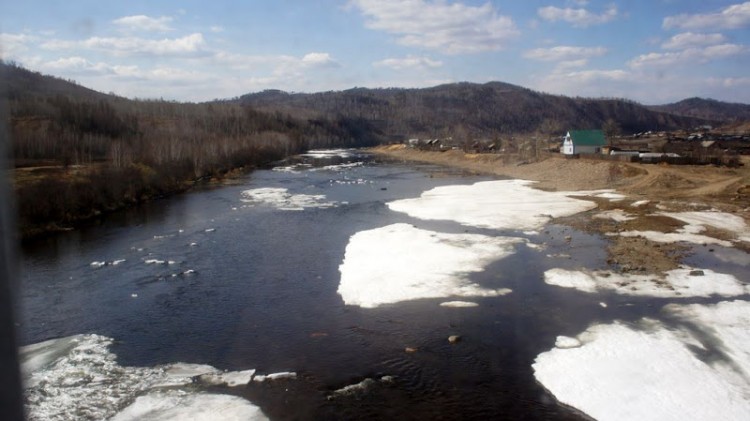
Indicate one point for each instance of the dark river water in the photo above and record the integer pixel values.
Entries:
(239, 287)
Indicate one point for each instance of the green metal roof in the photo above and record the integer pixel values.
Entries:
(588, 137)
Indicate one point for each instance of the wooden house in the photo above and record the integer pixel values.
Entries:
(583, 141)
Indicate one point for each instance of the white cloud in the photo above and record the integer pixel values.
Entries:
(13, 44)
(409, 62)
(731, 17)
(188, 45)
(216, 29)
(75, 65)
(688, 56)
(730, 82)
(144, 23)
(451, 28)
(587, 83)
(564, 53)
(319, 60)
(692, 40)
(579, 18)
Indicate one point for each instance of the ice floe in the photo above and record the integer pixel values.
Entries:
(566, 342)
(501, 204)
(77, 377)
(330, 153)
(280, 198)
(400, 262)
(181, 405)
(683, 282)
(275, 376)
(98, 264)
(696, 370)
(459, 304)
(340, 167)
(236, 378)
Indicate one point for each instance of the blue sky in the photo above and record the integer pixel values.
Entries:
(651, 51)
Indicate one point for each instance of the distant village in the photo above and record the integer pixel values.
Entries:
(701, 146)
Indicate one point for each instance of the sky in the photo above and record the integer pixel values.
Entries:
(650, 51)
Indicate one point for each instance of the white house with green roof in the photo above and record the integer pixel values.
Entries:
(583, 141)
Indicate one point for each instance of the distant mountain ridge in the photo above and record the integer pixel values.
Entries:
(489, 109)
(479, 110)
(709, 109)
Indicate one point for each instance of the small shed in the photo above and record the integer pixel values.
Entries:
(583, 141)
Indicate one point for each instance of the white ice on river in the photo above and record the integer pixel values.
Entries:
(280, 198)
(77, 377)
(682, 282)
(500, 204)
(695, 368)
(400, 262)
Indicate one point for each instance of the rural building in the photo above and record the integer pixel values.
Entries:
(583, 141)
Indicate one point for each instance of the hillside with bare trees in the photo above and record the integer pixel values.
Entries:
(79, 153)
(477, 110)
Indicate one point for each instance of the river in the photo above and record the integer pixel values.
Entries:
(247, 276)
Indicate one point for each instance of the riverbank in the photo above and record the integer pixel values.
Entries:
(54, 198)
(647, 228)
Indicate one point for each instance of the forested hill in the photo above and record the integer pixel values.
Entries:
(80, 152)
(480, 109)
(709, 109)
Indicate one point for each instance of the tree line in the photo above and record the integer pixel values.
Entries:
(115, 152)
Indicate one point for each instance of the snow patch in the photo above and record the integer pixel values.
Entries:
(685, 234)
(654, 373)
(280, 198)
(617, 215)
(400, 262)
(676, 283)
(721, 220)
(640, 203)
(501, 204)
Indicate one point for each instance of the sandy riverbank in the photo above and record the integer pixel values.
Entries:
(646, 235)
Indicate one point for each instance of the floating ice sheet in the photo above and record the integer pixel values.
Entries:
(179, 405)
(459, 304)
(280, 198)
(77, 377)
(502, 204)
(400, 262)
(329, 153)
(676, 283)
(696, 370)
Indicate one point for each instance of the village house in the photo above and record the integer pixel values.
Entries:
(583, 141)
